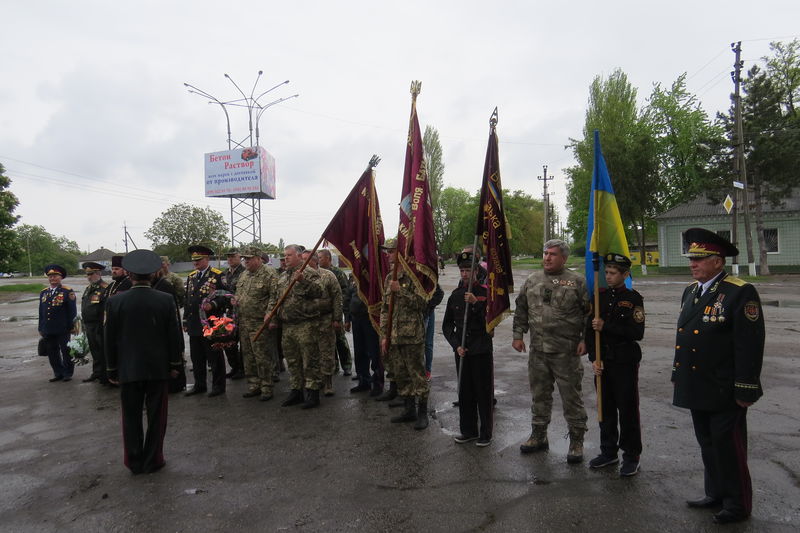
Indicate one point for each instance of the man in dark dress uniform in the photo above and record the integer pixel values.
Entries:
(716, 372)
(200, 284)
(119, 278)
(473, 355)
(231, 277)
(57, 312)
(92, 308)
(621, 324)
(142, 343)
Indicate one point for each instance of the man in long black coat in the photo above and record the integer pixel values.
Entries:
(716, 372)
(143, 350)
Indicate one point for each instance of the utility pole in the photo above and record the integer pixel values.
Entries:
(545, 179)
(127, 236)
(739, 161)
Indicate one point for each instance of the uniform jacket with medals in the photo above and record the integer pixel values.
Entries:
(199, 285)
(719, 346)
(93, 302)
(477, 341)
(555, 307)
(622, 311)
(57, 310)
(408, 314)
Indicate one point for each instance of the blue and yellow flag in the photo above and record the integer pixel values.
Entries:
(605, 233)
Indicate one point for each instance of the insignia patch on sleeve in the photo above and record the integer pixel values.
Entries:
(751, 310)
(625, 303)
(638, 315)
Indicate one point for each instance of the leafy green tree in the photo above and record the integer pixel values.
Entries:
(42, 248)
(783, 69)
(435, 166)
(457, 212)
(525, 216)
(9, 244)
(183, 225)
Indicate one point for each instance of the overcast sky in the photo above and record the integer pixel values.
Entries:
(97, 129)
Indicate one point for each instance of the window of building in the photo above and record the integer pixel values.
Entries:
(771, 240)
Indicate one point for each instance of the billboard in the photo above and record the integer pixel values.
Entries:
(244, 172)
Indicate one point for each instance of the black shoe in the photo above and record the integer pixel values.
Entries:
(347, 373)
(422, 414)
(408, 415)
(603, 460)
(362, 387)
(229, 375)
(195, 391)
(215, 392)
(397, 402)
(376, 391)
(706, 502)
(251, 393)
(265, 397)
(312, 399)
(356, 378)
(54, 379)
(66, 378)
(389, 394)
(483, 442)
(91, 378)
(276, 378)
(726, 516)
(237, 375)
(629, 468)
(461, 439)
(295, 397)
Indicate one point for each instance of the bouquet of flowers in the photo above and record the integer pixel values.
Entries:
(220, 330)
(79, 346)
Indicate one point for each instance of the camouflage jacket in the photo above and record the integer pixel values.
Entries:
(341, 278)
(408, 314)
(331, 301)
(300, 304)
(93, 302)
(231, 277)
(254, 291)
(555, 308)
(178, 283)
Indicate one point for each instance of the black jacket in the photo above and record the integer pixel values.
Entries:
(478, 341)
(719, 346)
(198, 287)
(622, 311)
(142, 335)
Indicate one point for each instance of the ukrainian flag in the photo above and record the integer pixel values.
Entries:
(605, 233)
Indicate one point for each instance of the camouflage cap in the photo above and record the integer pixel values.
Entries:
(250, 251)
(232, 251)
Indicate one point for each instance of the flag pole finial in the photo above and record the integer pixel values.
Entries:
(493, 119)
(373, 161)
(416, 87)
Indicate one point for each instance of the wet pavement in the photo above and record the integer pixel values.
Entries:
(236, 464)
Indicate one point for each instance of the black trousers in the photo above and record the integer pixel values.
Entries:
(144, 452)
(235, 360)
(722, 436)
(58, 355)
(366, 352)
(476, 394)
(94, 334)
(621, 427)
(198, 351)
(216, 360)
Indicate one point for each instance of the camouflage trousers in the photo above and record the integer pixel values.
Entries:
(301, 350)
(258, 356)
(564, 370)
(408, 367)
(327, 346)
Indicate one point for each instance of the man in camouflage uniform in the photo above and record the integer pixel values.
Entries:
(231, 277)
(342, 347)
(92, 307)
(177, 282)
(330, 313)
(299, 319)
(554, 306)
(254, 289)
(405, 350)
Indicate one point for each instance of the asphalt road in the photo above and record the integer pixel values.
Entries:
(235, 464)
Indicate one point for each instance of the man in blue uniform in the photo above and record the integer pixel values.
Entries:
(57, 312)
(716, 371)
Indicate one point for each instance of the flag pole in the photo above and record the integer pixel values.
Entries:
(466, 312)
(598, 380)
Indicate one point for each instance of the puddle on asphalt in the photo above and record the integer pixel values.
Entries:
(781, 303)
(22, 301)
(17, 318)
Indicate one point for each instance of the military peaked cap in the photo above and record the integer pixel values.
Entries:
(704, 243)
(49, 270)
(90, 267)
(198, 251)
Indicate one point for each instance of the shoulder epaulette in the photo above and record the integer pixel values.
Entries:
(66, 287)
(216, 270)
(45, 289)
(193, 272)
(692, 284)
(735, 281)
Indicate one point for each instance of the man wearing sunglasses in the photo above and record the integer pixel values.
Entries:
(553, 305)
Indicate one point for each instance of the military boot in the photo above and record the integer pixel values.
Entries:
(397, 402)
(422, 414)
(295, 397)
(537, 442)
(327, 388)
(575, 453)
(409, 414)
(388, 394)
(312, 399)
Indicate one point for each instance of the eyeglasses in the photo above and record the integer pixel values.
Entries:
(548, 293)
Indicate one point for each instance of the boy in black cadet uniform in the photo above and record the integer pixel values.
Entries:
(719, 348)
(476, 363)
(621, 324)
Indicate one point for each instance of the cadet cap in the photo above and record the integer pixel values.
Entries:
(619, 260)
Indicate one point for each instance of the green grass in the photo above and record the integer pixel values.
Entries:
(34, 288)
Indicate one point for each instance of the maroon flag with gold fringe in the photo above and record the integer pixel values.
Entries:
(491, 229)
(416, 244)
(356, 231)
